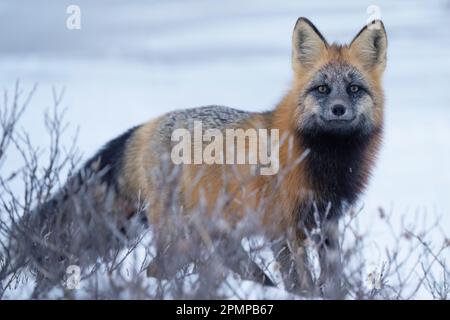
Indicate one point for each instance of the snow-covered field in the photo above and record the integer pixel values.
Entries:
(133, 60)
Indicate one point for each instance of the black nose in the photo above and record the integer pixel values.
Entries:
(338, 110)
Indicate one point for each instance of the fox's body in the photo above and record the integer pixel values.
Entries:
(330, 125)
(331, 176)
(334, 171)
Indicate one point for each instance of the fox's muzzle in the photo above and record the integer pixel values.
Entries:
(338, 112)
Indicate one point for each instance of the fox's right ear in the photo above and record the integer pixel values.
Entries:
(307, 44)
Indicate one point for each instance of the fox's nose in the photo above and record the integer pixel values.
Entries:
(338, 110)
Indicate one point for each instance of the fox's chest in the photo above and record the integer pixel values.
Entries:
(337, 174)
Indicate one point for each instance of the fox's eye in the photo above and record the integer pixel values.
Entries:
(322, 89)
(354, 88)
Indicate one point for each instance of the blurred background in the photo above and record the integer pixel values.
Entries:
(133, 60)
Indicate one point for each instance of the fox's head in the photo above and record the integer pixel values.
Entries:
(338, 87)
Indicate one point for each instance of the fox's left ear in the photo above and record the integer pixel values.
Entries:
(370, 46)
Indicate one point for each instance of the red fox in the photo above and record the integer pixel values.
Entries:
(330, 125)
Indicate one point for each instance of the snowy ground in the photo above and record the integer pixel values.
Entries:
(133, 60)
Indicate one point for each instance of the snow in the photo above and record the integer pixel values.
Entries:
(134, 60)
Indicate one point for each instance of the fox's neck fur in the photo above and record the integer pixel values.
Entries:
(335, 169)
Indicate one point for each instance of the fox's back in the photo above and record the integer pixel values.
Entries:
(145, 158)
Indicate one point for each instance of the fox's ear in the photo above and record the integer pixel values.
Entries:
(370, 46)
(307, 44)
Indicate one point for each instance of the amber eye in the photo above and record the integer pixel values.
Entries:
(354, 88)
(322, 89)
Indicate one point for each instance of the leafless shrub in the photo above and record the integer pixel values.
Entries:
(61, 236)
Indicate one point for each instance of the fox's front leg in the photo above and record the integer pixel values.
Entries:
(239, 261)
(294, 267)
(330, 259)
